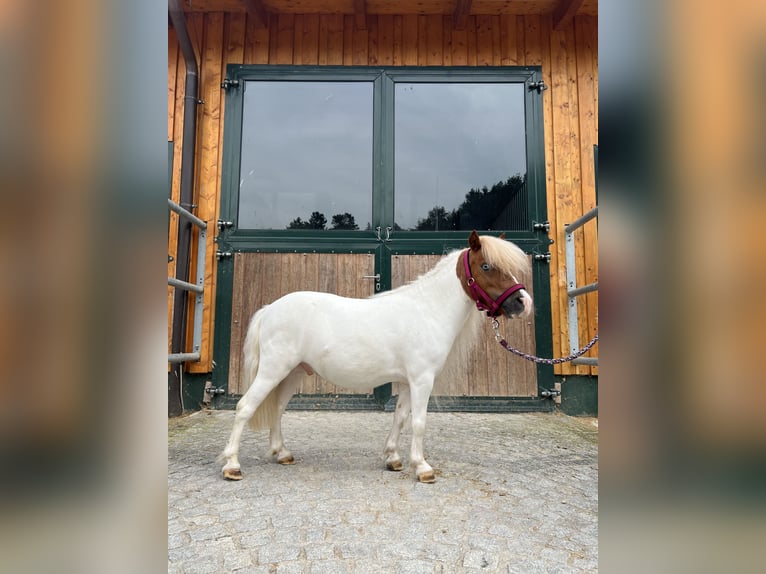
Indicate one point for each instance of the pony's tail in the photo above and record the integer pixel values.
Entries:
(252, 350)
(263, 415)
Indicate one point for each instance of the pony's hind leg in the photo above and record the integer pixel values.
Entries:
(285, 390)
(258, 396)
(390, 452)
(245, 409)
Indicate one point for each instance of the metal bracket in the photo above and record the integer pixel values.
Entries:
(223, 255)
(539, 86)
(543, 257)
(224, 224)
(544, 226)
(211, 392)
(227, 83)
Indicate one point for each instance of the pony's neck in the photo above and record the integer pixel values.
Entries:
(440, 293)
(465, 323)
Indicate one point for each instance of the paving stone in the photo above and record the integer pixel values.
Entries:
(514, 493)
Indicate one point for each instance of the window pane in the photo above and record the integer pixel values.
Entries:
(460, 154)
(306, 155)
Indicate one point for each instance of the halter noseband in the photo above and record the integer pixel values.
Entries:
(484, 302)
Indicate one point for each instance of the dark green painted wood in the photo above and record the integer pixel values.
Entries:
(222, 339)
(579, 395)
(193, 389)
(435, 404)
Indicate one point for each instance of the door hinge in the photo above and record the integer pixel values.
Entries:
(544, 226)
(539, 86)
(224, 224)
(227, 83)
(219, 255)
(543, 257)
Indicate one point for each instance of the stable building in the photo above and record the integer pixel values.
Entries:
(345, 145)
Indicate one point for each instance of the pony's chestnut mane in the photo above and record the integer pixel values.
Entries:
(505, 257)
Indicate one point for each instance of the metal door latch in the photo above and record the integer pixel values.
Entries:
(377, 280)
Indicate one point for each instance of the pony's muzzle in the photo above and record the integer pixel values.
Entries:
(518, 304)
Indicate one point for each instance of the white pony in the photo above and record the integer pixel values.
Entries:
(405, 335)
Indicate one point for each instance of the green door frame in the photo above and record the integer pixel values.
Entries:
(231, 239)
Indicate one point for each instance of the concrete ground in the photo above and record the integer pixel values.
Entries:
(514, 493)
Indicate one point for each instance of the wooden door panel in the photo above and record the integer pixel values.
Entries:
(261, 278)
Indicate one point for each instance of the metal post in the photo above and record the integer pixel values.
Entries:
(573, 291)
(574, 343)
(198, 287)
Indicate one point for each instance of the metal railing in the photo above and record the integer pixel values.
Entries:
(573, 291)
(198, 287)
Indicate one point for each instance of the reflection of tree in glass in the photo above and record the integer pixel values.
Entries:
(319, 221)
(482, 208)
(344, 221)
(438, 219)
(316, 221)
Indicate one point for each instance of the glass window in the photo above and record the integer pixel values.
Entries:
(306, 155)
(460, 157)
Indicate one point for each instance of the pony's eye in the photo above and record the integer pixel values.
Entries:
(486, 266)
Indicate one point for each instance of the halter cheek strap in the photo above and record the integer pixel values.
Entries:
(484, 302)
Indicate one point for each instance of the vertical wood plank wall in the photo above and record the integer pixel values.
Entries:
(569, 59)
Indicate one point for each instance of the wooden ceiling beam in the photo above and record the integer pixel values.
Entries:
(360, 14)
(460, 16)
(256, 10)
(564, 12)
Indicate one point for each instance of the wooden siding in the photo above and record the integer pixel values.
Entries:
(569, 58)
(490, 371)
(261, 278)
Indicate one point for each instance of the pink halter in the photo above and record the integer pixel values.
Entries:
(483, 300)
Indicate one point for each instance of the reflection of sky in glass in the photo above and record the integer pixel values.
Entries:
(306, 146)
(451, 138)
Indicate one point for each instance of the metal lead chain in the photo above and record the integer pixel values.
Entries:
(504, 344)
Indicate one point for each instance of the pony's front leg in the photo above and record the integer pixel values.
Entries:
(393, 460)
(420, 391)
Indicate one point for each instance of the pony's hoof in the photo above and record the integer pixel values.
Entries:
(427, 477)
(232, 474)
(395, 465)
(286, 460)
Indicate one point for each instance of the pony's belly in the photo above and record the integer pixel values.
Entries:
(355, 376)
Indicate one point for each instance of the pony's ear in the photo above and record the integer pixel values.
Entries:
(473, 241)
(502, 235)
